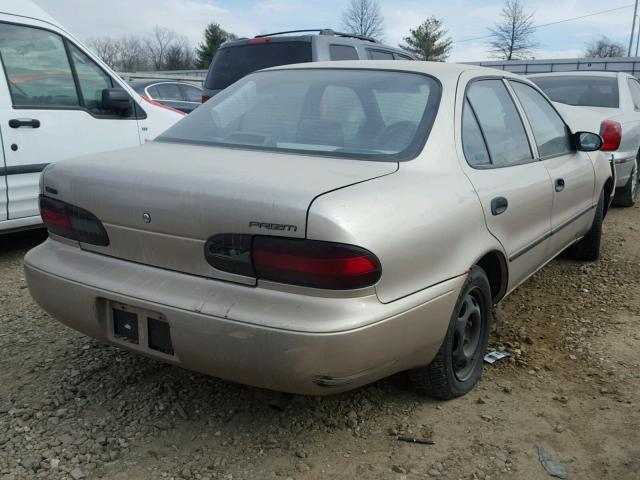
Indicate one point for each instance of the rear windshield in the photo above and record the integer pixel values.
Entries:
(581, 90)
(230, 64)
(362, 114)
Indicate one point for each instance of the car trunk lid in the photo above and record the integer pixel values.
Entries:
(160, 203)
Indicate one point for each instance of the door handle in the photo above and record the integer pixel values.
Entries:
(24, 122)
(499, 205)
(559, 184)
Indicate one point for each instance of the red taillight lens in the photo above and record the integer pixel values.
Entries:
(611, 133)
(72, 222)
(308, 263)
(256, 41)
(313, 263)
(204, 98)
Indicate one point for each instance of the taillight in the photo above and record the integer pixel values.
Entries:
(72, 222)
(204, 98)
(309, 263)
(611, 133)
(256, 41)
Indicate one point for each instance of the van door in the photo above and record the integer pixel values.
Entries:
(3, 188)
(51, 109)
(571, 171)
(513, 187)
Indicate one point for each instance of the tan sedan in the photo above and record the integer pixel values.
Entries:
(317, 227)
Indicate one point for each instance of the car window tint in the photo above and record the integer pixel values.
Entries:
(37, 67)
(342, 52)
(588, 91)
(400, 56)
(92, 79)
(500, 122)
(634, 87)
(401, 106)
(549, 130)
(363, 114)
(169, 91)
(234, 62)
(152, 91)
(191, 94)
(379, 55)
(475, 150)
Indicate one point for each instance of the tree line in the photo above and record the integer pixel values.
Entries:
(511, 38)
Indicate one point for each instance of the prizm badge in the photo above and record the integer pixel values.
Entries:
(273, 226)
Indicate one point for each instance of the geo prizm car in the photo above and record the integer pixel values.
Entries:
(317, 227)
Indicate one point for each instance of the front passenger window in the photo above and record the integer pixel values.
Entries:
(92, 79)
(37, 67)
(549, 130)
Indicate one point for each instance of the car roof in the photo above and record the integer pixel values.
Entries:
(445, 71)
(576, 73)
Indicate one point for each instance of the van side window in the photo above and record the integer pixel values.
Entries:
(92, 79)
(342, 52)
(379, 55)
(37, 67)
(400, 56)
(500, 122)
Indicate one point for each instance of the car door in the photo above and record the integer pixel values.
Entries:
(3, 189)
(50, 110)
(514, 189)
(571, 171)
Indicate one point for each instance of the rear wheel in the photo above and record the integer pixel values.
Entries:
(588, 248)
(626, 197)
(457, 366)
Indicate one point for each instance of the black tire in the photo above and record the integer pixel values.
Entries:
(445, 378)
(588, 248)
(626, 196)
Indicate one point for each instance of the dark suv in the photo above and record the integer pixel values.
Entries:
(238, 58)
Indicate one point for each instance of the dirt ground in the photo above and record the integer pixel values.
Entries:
(71, 407)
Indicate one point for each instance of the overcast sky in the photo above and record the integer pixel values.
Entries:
(463, 18)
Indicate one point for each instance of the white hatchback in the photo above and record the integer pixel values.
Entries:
(58, 100)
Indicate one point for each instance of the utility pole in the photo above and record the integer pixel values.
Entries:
(633, 28)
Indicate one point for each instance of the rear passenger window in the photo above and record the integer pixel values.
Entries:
(475, 150)
(379, 55)
(168, 91)
(192, 94)
(500, 123)
(548, 128)
(400, 56)
(37, 67)
(342, 52)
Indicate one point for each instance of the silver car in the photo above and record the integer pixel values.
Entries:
(317, 227)
(608, 102)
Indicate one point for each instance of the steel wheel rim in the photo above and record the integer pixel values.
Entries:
(467, 335)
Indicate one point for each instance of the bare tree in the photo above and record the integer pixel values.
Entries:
(132, 56)
(179, 56)
(512, 38)
(158, 43)
(106, 48)
(429, 41)
(604, 48)
(363, 17)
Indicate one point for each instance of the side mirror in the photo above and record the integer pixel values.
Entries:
(587, 141)
(116, 100)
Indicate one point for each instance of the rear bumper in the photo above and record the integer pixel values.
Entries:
(240, 333)
(623, 162)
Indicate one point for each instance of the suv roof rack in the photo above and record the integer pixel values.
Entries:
(321, 31)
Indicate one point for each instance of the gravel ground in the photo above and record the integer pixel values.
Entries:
(73, 408)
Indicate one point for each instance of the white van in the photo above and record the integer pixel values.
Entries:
(58, 100)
